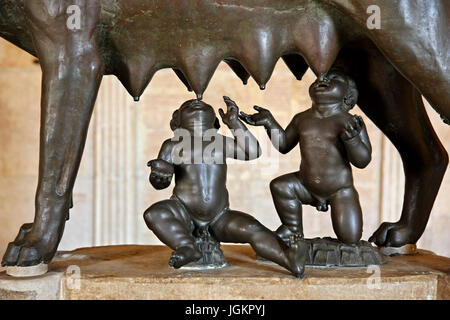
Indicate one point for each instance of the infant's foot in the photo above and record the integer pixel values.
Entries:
(183, 256)
(285, 234)
(297, 255)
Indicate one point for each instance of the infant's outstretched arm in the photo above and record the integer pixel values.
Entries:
(357, 143)
(283, 140)
(162, 167)
(244, 146)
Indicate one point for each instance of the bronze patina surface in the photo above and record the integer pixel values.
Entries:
(132, 39)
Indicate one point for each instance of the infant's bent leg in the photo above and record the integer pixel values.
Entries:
(346, 215)
(288, 194)
(170, 223)
(238, 227)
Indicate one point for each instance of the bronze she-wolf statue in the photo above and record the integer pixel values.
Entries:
(392, 66)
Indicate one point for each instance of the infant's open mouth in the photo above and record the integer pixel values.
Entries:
(322, 85)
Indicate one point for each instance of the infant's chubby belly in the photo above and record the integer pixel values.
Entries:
(323, 182)
(203, 205)
(202, 189)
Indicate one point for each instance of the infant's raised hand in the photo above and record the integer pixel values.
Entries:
(262, 118)
(352, 128)
(232, 114)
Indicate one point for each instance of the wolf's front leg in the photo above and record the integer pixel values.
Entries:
(72, 72)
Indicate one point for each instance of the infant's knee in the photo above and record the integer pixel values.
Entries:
(350, 236)
(149, 216)
(348, 231)
(347, 216)
(155, 213)
(278, 186)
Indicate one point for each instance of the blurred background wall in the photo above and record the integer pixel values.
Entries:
(112, 189)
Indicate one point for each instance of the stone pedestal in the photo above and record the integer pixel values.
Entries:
(142, 272)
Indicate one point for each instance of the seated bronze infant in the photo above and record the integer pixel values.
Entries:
(197, 157)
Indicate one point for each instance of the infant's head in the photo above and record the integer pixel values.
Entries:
(194, 113)
(335, 88)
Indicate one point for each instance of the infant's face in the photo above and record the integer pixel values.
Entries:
(197, 115)
(332, 90)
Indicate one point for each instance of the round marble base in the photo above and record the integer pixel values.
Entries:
(23, 272)
(397, 251)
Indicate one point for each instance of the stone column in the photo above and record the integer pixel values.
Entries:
(114, 129)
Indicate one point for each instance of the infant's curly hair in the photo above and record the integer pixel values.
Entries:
(351, 98)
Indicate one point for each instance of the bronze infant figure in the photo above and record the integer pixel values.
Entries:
(200, 197)
(330, 139)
